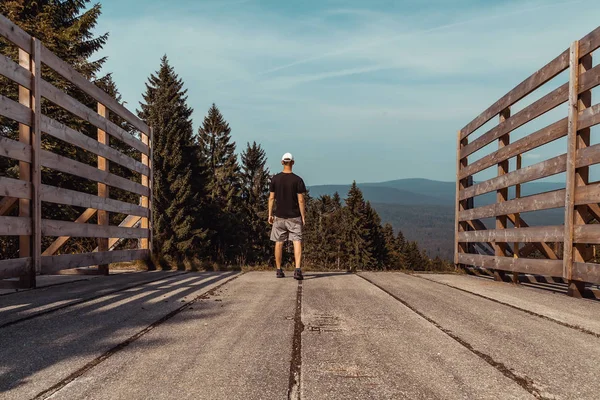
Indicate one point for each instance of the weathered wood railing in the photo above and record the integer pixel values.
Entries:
(27, 192)
(579, 198)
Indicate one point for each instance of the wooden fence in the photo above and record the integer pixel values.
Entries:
(562, 251)
(27, 192)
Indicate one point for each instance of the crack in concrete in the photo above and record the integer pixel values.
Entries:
(109, 353)
(296, 361)
(565, 324)
(523, 381)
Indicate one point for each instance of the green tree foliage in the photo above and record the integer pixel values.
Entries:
(255, 196)
(351, 237)
(395, 257)
(375, 238)
(357, 241)
(176, 207)
(224, 187)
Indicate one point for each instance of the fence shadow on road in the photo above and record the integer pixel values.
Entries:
(89, 329)
(315, 275)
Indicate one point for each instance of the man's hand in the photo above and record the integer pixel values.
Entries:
(303, 221)
(271, 219)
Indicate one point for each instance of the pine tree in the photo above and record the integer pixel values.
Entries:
(375, 238)
(175, 207)
(334, 232)
(395, 257)
(224, 186)
(414, 260)
(255, 194)
(356, 241)
(65, 27)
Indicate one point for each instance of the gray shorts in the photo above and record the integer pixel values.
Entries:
(285, 229)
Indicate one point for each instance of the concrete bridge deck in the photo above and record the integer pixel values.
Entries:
(174, 335)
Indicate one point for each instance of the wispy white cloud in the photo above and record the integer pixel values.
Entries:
(376, 81)
(362, 45)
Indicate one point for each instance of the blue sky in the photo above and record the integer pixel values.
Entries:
(357, 90)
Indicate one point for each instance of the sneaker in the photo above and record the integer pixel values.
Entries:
(280, 273)
(298, 274)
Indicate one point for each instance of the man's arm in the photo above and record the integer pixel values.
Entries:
(271, 202)
(302, 205)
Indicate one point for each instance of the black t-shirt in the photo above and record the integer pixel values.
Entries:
(286, 188)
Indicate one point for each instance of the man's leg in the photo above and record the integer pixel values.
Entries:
(298, 256)
(298, 253)
(278, 254)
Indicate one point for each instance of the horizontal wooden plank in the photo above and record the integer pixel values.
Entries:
(540, 77)
(530, 142)
(63, 132)
(52, 264)
(540, 170)
(519, 235)
(129, 222)
(73, 229)
(15, 188)
(14, 267)
(67, 102)
(586, 272)
(15, 72)
(15, 226)
(15, 150)
(589, 117)
(14, 34)
(587, 81)
(589, 194)
(589, 42)
(588, 156)
(13, 110)
(523, 265)
(587, 234)
(8, 203)
(542, 201)
(68, 72)
(546, 250)
(534, 110)
(61, 240)
(64, 164)
(57, 195)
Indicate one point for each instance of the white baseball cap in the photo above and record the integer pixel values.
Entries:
(287, 157)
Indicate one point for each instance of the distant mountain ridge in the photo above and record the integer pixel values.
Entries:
(423, 209)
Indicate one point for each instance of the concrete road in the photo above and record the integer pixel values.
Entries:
(39, 353)
(342, 336)
(361, 343)
(235, 345)
(548, 359)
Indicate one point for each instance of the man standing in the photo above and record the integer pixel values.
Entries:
(287, 191)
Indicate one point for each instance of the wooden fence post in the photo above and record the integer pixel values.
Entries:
(515, 275)
(25, 174)
(460, 205)
(576, 177)
(36, 147)
(575, 288)
(103, 190)
(151, 202)
(502, 196)
(145, 243)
